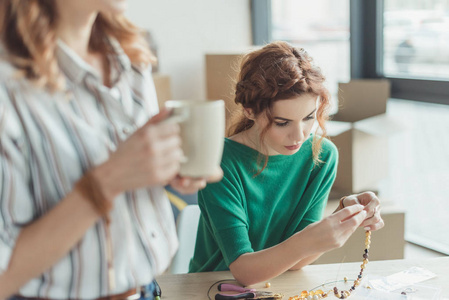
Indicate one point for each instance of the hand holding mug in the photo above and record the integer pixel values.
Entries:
(150, 156)
(190, 185)
(202, 128)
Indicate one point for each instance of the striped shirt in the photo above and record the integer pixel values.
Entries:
(48, 141)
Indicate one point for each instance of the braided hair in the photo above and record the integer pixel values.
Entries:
(278, 71)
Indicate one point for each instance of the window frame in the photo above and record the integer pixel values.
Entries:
(366, 48)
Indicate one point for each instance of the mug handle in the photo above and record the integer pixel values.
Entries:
(182, 117)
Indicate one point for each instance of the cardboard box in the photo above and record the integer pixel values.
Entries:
(387, 243)
(363, 152)
(221, 75)
(363, 158)
(163, 88)
(362, 98)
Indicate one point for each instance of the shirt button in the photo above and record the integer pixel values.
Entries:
(127, 129)
(153, 234)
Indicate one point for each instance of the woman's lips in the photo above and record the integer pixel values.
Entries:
(293, 147)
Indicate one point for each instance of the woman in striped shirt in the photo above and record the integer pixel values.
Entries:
(83, 154)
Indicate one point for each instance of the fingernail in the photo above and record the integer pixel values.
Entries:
(363, 212)
(366, 228)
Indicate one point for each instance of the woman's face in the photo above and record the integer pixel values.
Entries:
(293, 121)
(111, 6)
(90, 6)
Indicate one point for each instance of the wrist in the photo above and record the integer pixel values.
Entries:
(92, 189)
(105, 182)
(304, 238)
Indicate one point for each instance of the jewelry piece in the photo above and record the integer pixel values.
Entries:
(319, 294)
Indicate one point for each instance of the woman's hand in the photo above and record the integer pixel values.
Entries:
(190, 185)
(371, 205)
(150, 156)
(332, 232)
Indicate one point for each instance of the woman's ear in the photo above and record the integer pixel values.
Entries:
(248, 112)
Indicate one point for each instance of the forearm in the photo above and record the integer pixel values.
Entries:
(44, 242)
(251, 268)
(306, 261)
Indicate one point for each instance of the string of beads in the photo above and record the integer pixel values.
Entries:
(319, 294)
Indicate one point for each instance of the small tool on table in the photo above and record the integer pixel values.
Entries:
(244, 293)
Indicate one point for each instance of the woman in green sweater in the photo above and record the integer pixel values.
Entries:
(264, 217)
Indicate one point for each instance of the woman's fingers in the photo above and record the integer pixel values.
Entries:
(348, 212)
(188, 185)
(374, 222)
(166, 129)
(354, 221)
(371, 204)
(163, 114)
(217, 176)
(350, 217)
(378, 225)
(350, 200)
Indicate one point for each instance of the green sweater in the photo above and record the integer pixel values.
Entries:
(243, 213)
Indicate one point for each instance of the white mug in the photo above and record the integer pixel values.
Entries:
(202, 133)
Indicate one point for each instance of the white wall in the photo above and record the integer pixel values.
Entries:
(185, 30)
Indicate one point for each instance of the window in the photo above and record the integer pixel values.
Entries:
(324, 35)
(406, 41)
(416, 39)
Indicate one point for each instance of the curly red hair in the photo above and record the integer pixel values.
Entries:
(278, 71)
(27, 32)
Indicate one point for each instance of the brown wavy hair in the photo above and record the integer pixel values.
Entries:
(278, 71)
(28, 34)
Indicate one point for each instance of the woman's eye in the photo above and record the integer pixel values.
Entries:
(281, 124)
(309, 118)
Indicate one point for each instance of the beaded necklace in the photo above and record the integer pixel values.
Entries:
(319, 294)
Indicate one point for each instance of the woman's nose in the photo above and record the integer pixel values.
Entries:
(298, 133)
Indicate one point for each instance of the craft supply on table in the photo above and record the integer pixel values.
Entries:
(401, 279)
(315, 294)
(243, 293)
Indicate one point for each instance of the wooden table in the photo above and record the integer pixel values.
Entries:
(291, 283)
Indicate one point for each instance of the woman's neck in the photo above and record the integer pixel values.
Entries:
(75, 31)
(249, 138)
(75, 28)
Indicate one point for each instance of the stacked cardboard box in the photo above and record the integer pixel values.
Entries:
(163, 88)
(360, 133)
(221, 74)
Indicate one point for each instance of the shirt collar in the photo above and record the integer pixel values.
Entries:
(76, 68)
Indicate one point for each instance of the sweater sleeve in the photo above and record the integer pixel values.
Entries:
(320, 184)
(224, 211)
